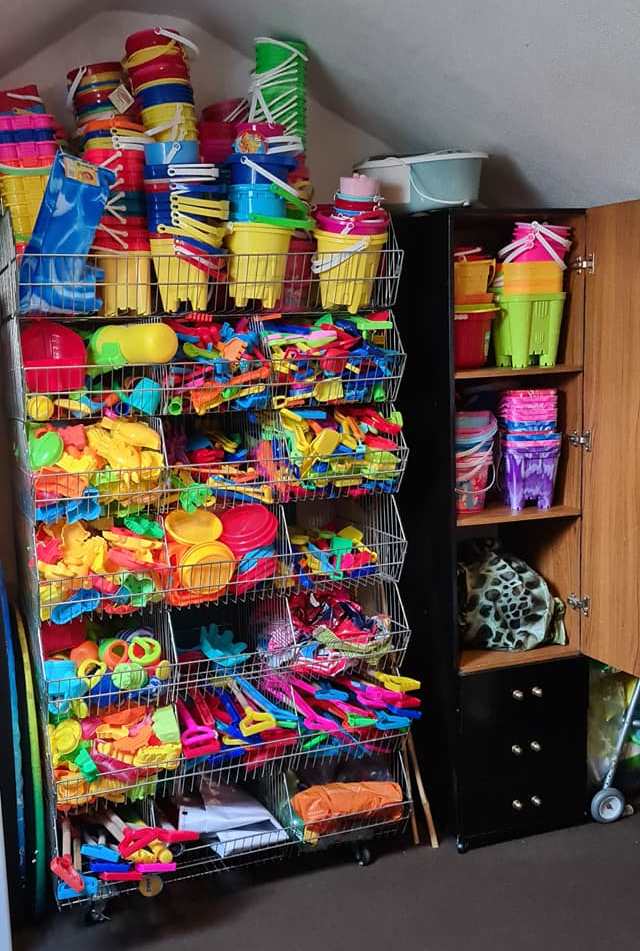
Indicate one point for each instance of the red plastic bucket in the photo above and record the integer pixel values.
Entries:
(471, 338)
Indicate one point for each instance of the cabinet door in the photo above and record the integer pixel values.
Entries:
(611, 472)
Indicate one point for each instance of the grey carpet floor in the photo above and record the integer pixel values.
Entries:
(573, 889)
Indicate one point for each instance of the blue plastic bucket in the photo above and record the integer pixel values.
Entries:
(246, 200)
(279, 165)
(171, 153)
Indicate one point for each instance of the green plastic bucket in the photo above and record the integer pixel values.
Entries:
(270, 54)
(527, 327)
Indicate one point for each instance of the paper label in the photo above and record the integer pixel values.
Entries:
(79, 171)
(121, 98)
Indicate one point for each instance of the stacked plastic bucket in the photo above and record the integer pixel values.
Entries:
(265, 211)
(116, 141)
(160, 78)
(474, 308)
(528, 287)
(90, 90)
(350, 236)
(530, 446)
(217, 129)
(27, 149)
(187, 212)
(475, 434)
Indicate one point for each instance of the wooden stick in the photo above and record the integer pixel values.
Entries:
(433, 835)
(415, 835)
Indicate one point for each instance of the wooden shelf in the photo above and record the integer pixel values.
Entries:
(496, 514)
(492, 373)
(473, 661)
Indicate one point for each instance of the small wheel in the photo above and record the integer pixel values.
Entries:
(462, 846)
(95, 913)
(362, 855)
(607, 805)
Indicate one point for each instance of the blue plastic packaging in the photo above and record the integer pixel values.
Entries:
(54, 275)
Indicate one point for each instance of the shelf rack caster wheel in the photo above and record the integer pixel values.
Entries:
(95, 913)
(362, 855)
(462, 846)
(608, 805)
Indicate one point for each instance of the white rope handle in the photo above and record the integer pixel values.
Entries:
(159, 31)
(242, 107)
(334, 260)
(23, 96)
(77, 79)
(539, 232)
(423, 195)
(245, 160)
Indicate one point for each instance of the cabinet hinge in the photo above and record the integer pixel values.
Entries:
(579, 604)
(584, 265)
(581, 440)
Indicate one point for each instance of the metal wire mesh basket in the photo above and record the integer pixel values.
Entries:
(123, 284)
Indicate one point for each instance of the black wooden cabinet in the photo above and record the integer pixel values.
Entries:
(504, 738)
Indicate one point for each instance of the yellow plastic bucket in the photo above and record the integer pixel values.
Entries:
(178, 281)
(22, 195)
(257, 262)
(127, 283)
(529, 277)
(472, 278)
(347, 266)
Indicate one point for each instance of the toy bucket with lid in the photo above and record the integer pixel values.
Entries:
(429, 181)
(347, 266)
(257, 262)
(127, 283)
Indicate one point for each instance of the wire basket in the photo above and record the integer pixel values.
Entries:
(127, 284)
(41, 391)
(351, 826)
(322, 378)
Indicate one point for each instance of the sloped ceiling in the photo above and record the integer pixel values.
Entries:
(549, 88)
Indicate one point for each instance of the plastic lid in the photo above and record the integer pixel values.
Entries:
(248, 527)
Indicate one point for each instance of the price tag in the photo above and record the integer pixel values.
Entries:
(121, 98)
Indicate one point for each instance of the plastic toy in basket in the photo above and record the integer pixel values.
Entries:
(219, 366)
(54, 274)
(115, 749)
(333, 359)
(209, 465)
(330, 452)
(82, 471)
(330, 553)
(115, 567)
(212, 554)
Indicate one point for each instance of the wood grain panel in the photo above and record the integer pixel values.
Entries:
(611, 522)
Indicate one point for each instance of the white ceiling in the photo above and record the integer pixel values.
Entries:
(548, 87)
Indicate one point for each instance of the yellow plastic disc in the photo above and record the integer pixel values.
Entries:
(193, 528)
(207, 568)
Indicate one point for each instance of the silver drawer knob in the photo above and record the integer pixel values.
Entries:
(536, 691)
(535, 746)
(517, 805)
(517, 694)
(516, 750)
(536, 801)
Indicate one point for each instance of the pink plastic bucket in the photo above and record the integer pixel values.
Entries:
(355, 226)
(220, 111)
(360, 186)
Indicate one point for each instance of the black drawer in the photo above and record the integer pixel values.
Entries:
(528, 749)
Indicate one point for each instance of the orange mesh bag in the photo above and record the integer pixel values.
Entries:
(324, 808)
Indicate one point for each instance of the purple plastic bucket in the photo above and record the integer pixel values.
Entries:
(529, 475)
